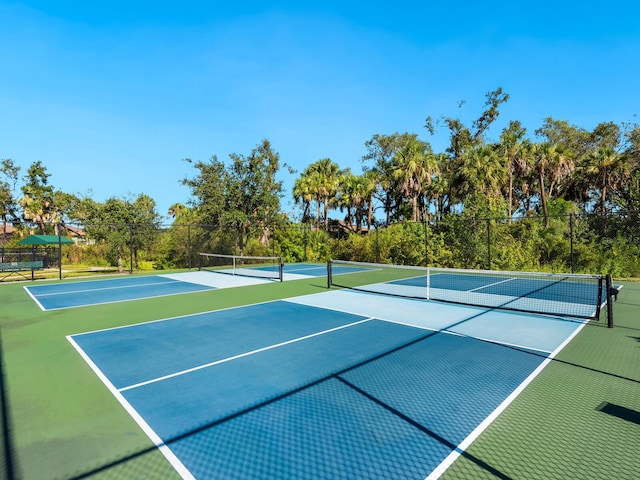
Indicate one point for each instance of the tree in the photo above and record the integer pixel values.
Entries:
(513, 147)
(208, 190)
(303, 192)
(123, 223)
(461, 140)
(244, 195)
(574, 141)
(606, 170)
(320, 180)
(440, 188)
(371, 179)
(253, 193)
(483, 171)
(176, 210)
(354, 192)
(413, 168)
(630, 191)
(38, 197)
(551, 164)
(8, 202)
(579, 144)
(381, 150)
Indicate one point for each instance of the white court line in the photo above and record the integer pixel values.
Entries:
(73, 292)
(153, 436)
(453, 456)
(132, 325)
(93, 304)
(241, 355)
(292, 270)
(491, 284)
(34, 299)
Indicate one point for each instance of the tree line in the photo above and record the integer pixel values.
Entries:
(405, 179)
(560, 169)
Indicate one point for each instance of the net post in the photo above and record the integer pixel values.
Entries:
(281, 269)
(608, 290)
(329, 279)
(199, 261)
(601, 287)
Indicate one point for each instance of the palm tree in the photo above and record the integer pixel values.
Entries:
(606, 169)
(381, 151)
(303, 193)
(323, 177)
(483, 171)
(372, 180)
(513, 148)
(550, 162)
(440, 185)
(177, 209)
(353, 194)
(414, 166)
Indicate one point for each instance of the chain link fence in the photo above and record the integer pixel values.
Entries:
(564, 243)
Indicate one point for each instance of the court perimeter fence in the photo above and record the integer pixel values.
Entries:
(565, 243)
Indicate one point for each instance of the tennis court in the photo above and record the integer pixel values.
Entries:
(121, 289)
(294, 380)
(339, 384)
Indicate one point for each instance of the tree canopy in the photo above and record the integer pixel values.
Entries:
(511, 173)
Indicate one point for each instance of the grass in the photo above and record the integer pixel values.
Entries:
(66, 424)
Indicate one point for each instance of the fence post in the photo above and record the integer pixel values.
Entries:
(59, 254)
(571, 239)
(130, 249)
(488, 244)
(426, 241)
(236, 232)
(189, 246)
(304, 241)
(377, 245)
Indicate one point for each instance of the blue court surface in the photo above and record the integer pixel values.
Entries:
(76, 294)
(573, 292)
(554, 294)
(95, 292)
(333, 385)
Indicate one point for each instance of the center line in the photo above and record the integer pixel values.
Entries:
(491, 284)
(235, 357)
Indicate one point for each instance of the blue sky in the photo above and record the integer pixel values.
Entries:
(112, 95)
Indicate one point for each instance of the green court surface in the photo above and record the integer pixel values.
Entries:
(577, 419)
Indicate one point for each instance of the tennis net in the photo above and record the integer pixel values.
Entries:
(243, 265)
(573, 295)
